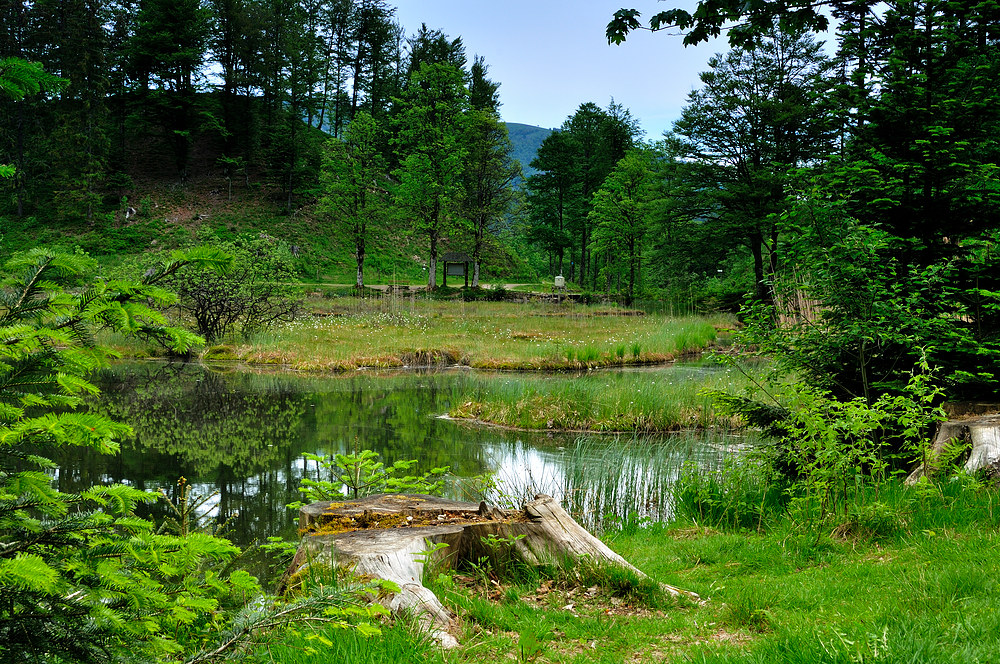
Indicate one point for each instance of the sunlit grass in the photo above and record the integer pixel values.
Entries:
(786, 593)
(481, 335)
(634, 401)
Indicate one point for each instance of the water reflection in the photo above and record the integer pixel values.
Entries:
(242, 435)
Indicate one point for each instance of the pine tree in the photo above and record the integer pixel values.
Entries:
(588, 145)
(167, 53)
(72, 35)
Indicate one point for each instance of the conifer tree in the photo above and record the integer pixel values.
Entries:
(167, 54)
(74, 40)
(81, 577)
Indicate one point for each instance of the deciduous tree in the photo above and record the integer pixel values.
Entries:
(759, 113)
(621, 220)
(355, 197)
(490, 170)
(430, 148)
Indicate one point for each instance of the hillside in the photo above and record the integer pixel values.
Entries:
(151, 206)
(526, 139)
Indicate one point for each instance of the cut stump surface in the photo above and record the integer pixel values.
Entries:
(388, 536)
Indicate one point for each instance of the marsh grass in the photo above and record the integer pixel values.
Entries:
(404, 330)
(608, 480)
(604, 481)
(600, 401)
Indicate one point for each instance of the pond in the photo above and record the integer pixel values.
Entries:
(238, 438)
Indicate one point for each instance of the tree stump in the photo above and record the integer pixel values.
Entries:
(389, 536)
(982, 433)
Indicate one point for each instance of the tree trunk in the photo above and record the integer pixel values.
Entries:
(360, 255)
(477, 251)
(432, 267)
(393, 536)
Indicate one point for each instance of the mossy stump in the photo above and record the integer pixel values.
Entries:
(388, 536)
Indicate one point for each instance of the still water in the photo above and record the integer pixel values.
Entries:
(239, 437)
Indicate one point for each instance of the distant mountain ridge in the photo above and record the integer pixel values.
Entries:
(526, 140)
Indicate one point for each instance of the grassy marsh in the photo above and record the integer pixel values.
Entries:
(636, 401)
(348, 333)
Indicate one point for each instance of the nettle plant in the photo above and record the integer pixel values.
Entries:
(832, 449)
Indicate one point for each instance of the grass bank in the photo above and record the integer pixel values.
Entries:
(601, 401)
(349, 333)
(913, 581)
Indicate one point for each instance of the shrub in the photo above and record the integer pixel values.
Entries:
(479, 294)
(252, 296)
(362, 474)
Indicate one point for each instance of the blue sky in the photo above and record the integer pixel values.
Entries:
(550, 56)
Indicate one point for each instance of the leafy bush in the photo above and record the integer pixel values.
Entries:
(479, 294)
(834, 450)
(253, 295)
(858, 307)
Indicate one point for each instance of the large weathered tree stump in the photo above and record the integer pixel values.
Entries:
(982, 433)
(389, 536)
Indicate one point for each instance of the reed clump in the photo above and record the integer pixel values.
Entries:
(600, 401)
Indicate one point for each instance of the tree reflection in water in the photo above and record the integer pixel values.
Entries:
(243, 434)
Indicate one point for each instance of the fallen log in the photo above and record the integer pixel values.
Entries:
(393, 537)
(981, 434)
